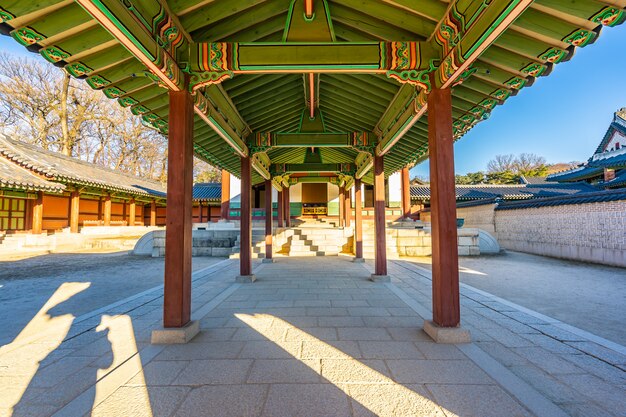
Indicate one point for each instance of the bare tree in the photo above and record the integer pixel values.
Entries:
(501, 163)
(204, 172)
(41, 104)
(528, 162)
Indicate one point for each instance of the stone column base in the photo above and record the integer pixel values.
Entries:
(358, 260)
(446, 334)
(175, 335)
(380, 278)
(245, 278)
(268, 261)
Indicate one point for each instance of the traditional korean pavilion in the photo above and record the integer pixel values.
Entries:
(606, 168)
(283, 92)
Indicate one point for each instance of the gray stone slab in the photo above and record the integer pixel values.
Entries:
(207, 350)
(610, 397)
(285, 371)
(137, 401)
(158, 373)
(224, 401)
(304, 400)
(370, 400)
(477, 401)
(390, 350)
(363, 333)
(214, 372)
(312, 333)
(336, 349)
(547, 361)
(268, 350)
(437, 372)
(415, 334)
(600, 352)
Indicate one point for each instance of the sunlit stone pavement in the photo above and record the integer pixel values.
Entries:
(312, 337)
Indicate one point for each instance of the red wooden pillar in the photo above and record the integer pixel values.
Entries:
(347, 207)
(245, 239)
(37, 222)
(358, 220)
(107, 210)
(268, 221)
(99, 208)
(406, 193)
(132, 212)
(177, 288)
(225, 195)
(199, 211)
(380, 270)
(287, 210)
(281, 206)
(74, 211)
(445, 269)
(153, 211)
(342, 201)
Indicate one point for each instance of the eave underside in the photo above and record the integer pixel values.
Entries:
(545, 34)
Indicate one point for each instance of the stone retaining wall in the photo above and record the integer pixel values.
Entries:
(590, 232)
(594, 232)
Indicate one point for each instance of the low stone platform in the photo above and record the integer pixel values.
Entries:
(309, 338)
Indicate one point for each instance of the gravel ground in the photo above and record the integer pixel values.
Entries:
(26, 285)
(588, 296)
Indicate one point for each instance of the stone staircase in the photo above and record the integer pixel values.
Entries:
(369, 242)
(258, 245)
(317, 241)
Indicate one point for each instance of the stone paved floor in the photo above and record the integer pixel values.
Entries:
(312, 337)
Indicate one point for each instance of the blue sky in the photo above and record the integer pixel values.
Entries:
(561, 117)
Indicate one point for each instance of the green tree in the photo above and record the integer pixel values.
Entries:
(471, 178)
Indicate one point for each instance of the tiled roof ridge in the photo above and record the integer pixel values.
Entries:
(581, 198)
(50, 170)
(28, 181)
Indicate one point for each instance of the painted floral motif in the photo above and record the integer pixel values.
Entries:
(515, 83)
(5, 16)
(78, 69)
(609, 16)
(97, 81)
(579, 37)
(534, 69)
(113, 92)
(202, 79)
(400, 56)
(139, 110)
(465, 75)
(149, 118)
(127, 101)
(553, 55)
(501, 94)
(488, 103)
(54, 54)
(417, 78)
(27, 36)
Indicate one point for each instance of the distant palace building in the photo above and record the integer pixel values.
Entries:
(607, 166)
(44, 191)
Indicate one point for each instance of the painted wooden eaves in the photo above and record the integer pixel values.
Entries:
(546, 34)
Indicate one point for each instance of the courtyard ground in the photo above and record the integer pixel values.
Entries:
(26, 284)
(312, 337)
(589, 296)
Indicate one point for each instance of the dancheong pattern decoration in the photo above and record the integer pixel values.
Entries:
(135, 51)
(609, 16)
